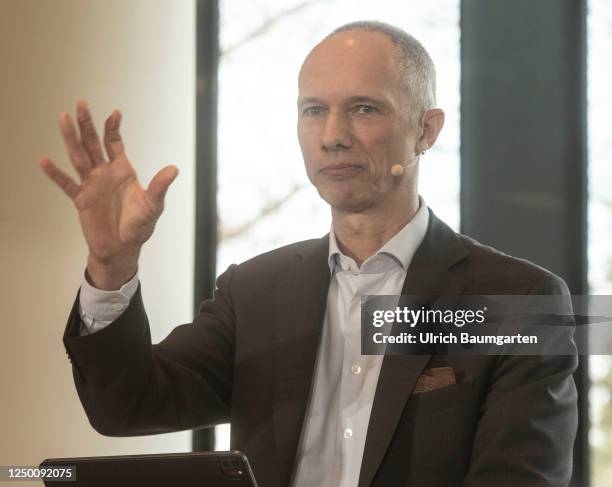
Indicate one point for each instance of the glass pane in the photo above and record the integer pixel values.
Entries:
(264, 197)
(600, 226)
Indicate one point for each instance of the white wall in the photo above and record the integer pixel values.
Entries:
(135, 55)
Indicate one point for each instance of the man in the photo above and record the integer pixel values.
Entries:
(277, 350)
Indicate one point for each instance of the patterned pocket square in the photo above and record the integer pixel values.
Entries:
(434, 378)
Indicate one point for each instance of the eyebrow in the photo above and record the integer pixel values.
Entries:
(352, 99)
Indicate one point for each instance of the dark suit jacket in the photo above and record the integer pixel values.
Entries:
(249, 356)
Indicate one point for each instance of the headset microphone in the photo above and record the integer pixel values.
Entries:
(398, 169)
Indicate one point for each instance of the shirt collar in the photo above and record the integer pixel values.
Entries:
(401, 247)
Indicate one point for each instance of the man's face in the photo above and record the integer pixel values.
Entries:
(353, 120)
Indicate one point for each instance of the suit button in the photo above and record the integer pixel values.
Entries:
(356, 369)
(348, 432)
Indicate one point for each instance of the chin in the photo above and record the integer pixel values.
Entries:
(345, 200)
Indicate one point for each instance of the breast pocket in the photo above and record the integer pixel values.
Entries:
(439, 400)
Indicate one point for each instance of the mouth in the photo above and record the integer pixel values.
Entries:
(342, 169)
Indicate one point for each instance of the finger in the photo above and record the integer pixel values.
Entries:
(160, 183)
(89, 136)
(112, 138)
(65, 182)
(78, 156)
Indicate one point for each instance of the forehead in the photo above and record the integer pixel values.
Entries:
(350, 63)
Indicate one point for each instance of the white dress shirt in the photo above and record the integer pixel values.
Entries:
(333, 438)
(99, 308)
(334, 434)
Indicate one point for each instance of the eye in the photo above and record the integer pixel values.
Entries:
(365, 109)
(312, 111)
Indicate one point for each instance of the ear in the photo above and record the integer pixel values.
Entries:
(430, 126)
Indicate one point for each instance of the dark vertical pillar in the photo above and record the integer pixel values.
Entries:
(207, 60)
(523, 143)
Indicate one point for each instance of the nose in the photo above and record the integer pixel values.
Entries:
(335, 132)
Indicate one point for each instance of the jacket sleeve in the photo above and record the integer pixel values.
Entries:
(130, 387)
(529, 418)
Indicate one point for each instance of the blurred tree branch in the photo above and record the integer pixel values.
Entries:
(275, 205)
(266, 210)
(267, 25)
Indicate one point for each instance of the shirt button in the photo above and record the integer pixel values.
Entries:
(356, 369)
(348, 432)
(117, 306)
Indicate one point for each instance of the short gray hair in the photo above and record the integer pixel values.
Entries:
(418, 68)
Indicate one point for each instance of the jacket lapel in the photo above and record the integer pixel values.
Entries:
(428, 274)
(300, 298)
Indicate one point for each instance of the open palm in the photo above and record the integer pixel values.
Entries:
(117, 214)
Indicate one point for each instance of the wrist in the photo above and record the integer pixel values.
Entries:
(110, 275)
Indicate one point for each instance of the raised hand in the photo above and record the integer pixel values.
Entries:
(117, 214)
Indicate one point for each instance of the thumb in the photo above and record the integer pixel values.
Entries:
(160, 183)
